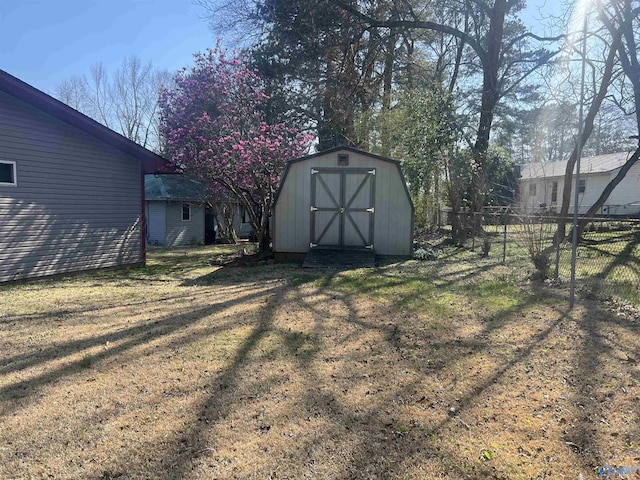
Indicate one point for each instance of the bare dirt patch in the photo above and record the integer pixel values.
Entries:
(184, 369)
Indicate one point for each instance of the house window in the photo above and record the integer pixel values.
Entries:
(186, 212)
(8, 173)
(343, 160)
(532, 190)
(582, 185)
(554, 192)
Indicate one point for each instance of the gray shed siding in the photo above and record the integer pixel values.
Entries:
(393, 210)
(77, 203)
(181, 232)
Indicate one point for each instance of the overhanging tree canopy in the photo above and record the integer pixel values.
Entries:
(214, 129)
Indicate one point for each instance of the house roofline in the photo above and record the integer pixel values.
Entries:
(151, 162)
(542, 166)
(582, 174)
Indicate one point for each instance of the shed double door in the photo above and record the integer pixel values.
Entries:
(342, 207)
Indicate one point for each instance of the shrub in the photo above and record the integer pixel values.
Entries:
(537, 238)
(486, 246)
(424, 253)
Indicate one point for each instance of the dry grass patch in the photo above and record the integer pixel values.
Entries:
(186, 369)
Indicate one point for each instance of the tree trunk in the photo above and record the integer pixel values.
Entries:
(459, 51)
(223, 213)
(455, 192)
(490, 98)
(586, 132)
(385, 131)
(264, 239)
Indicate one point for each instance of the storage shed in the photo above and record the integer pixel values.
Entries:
(343, 198)
(71, 190)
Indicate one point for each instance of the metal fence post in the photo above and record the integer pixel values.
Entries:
(473, 231)
(504, 242)
(556, 275)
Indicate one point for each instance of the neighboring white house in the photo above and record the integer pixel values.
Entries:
(541, 186)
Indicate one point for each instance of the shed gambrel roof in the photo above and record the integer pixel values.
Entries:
(596, 164)
(347, 148)
(150, 161)
(398, 163)
(175, 187)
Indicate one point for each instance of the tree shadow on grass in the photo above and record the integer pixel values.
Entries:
(192, 444)
(116, 343)
(606, 425)
(323, 402)
(383, 433)
(59, 314)
(369, 434)
(382, 443)
(520, 356)
(385, 439)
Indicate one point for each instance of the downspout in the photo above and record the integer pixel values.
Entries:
(143, 219)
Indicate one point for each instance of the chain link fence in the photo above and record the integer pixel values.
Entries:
(607, 258)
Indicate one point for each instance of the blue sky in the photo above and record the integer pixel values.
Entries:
(44, 42)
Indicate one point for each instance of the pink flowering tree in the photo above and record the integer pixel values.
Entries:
(213, 128)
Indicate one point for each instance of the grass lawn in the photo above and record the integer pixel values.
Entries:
(607, 262)
(455, 368)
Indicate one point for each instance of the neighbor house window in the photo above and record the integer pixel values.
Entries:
(186, 212)
(8, 173)
(343, 160)
(532, 190)
(582, 186)
(554, 192)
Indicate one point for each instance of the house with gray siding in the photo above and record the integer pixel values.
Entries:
(71, 190)
(180, 210)
(175, 208)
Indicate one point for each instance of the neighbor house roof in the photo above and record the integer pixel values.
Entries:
(151, 162)
(175, 187)
(596, 164)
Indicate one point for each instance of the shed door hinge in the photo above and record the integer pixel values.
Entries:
(372, 172)
(313, 209)
(369, 246)
(371, 210)
(311, 245)
(313, 171)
